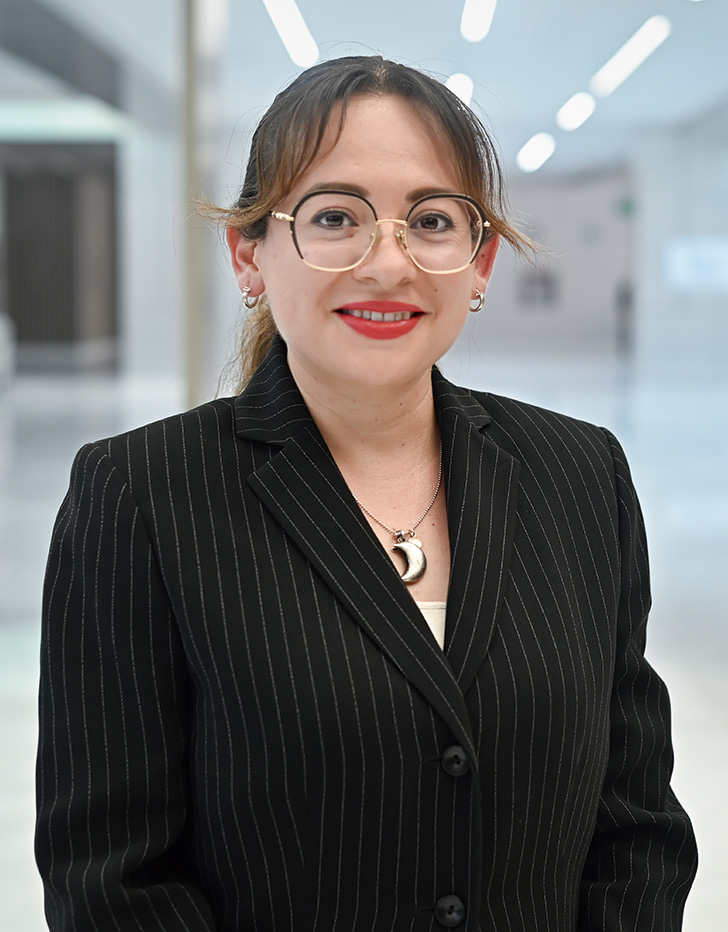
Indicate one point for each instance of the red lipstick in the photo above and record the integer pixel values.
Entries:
(357, 315)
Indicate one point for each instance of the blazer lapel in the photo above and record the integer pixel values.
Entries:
(303, 489)
(481, 482)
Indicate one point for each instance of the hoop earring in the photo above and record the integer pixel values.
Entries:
(479, 300)
(247, 300)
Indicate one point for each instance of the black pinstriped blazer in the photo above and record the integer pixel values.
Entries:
(246, 723)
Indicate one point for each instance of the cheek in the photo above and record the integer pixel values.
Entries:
(268, 260)
(295, 295)
(454, 296)
(283, 286)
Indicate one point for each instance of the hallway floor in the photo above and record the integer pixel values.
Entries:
(675, 436)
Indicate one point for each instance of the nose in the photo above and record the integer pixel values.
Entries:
(388, 257)
(400, 234)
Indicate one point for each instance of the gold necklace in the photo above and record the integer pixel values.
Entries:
(407, 543)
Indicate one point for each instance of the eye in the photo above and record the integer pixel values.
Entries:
(333, 219)
(432, 222)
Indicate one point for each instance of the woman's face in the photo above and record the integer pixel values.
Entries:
(392, 157)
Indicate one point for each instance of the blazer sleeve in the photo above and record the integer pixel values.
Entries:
(643, 857)
(111, 784)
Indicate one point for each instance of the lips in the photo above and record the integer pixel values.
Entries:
(381, 320)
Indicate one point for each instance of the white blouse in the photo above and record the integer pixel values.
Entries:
(434, 613)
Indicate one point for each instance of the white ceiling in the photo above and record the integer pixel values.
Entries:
(535, 57)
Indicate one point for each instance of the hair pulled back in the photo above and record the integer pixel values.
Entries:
(289, 137)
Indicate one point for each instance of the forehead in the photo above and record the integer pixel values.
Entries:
(385, 144)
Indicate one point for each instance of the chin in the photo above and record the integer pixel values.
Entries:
(392, 371)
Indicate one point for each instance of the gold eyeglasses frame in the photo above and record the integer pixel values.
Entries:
(400, 234)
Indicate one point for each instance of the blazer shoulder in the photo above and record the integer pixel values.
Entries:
(544, 439)
(208, 416)
(536, 422)
(190, 435)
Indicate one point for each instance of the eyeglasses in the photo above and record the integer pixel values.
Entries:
(334, 231)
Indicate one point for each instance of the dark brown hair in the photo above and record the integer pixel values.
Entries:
(290, 134)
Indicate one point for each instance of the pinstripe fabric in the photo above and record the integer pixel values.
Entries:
(244, 714)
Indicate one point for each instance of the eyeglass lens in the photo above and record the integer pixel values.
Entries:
(335, 231)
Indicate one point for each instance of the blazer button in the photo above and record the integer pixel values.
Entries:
(450, 911)
(455, 761)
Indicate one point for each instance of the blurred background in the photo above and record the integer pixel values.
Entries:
(117, 305)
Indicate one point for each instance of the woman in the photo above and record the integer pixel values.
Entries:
(255, 711)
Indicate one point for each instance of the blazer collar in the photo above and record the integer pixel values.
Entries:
(304, 490)
(271, 408)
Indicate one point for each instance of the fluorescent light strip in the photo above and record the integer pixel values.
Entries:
(293, 31)
(576, 111)
(537, 150)
(476, 19)
(462, 86)
(634, 51)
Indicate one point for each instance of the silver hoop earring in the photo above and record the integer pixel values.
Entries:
(477, 303)
(248, 301)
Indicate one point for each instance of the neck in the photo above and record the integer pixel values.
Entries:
(386, 442)
(364, 422)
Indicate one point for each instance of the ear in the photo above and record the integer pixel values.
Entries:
(243, 256)
(485, 260)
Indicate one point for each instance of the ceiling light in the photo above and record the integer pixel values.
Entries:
(476, 19)
(462, 86)
(634, 51)
(576, 111)
(293, 31)
(538, 148)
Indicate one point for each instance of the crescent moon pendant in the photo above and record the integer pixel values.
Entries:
(414, 558)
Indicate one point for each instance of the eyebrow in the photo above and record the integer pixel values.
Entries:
(410, 196)
(338, 186)
(419, 193)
